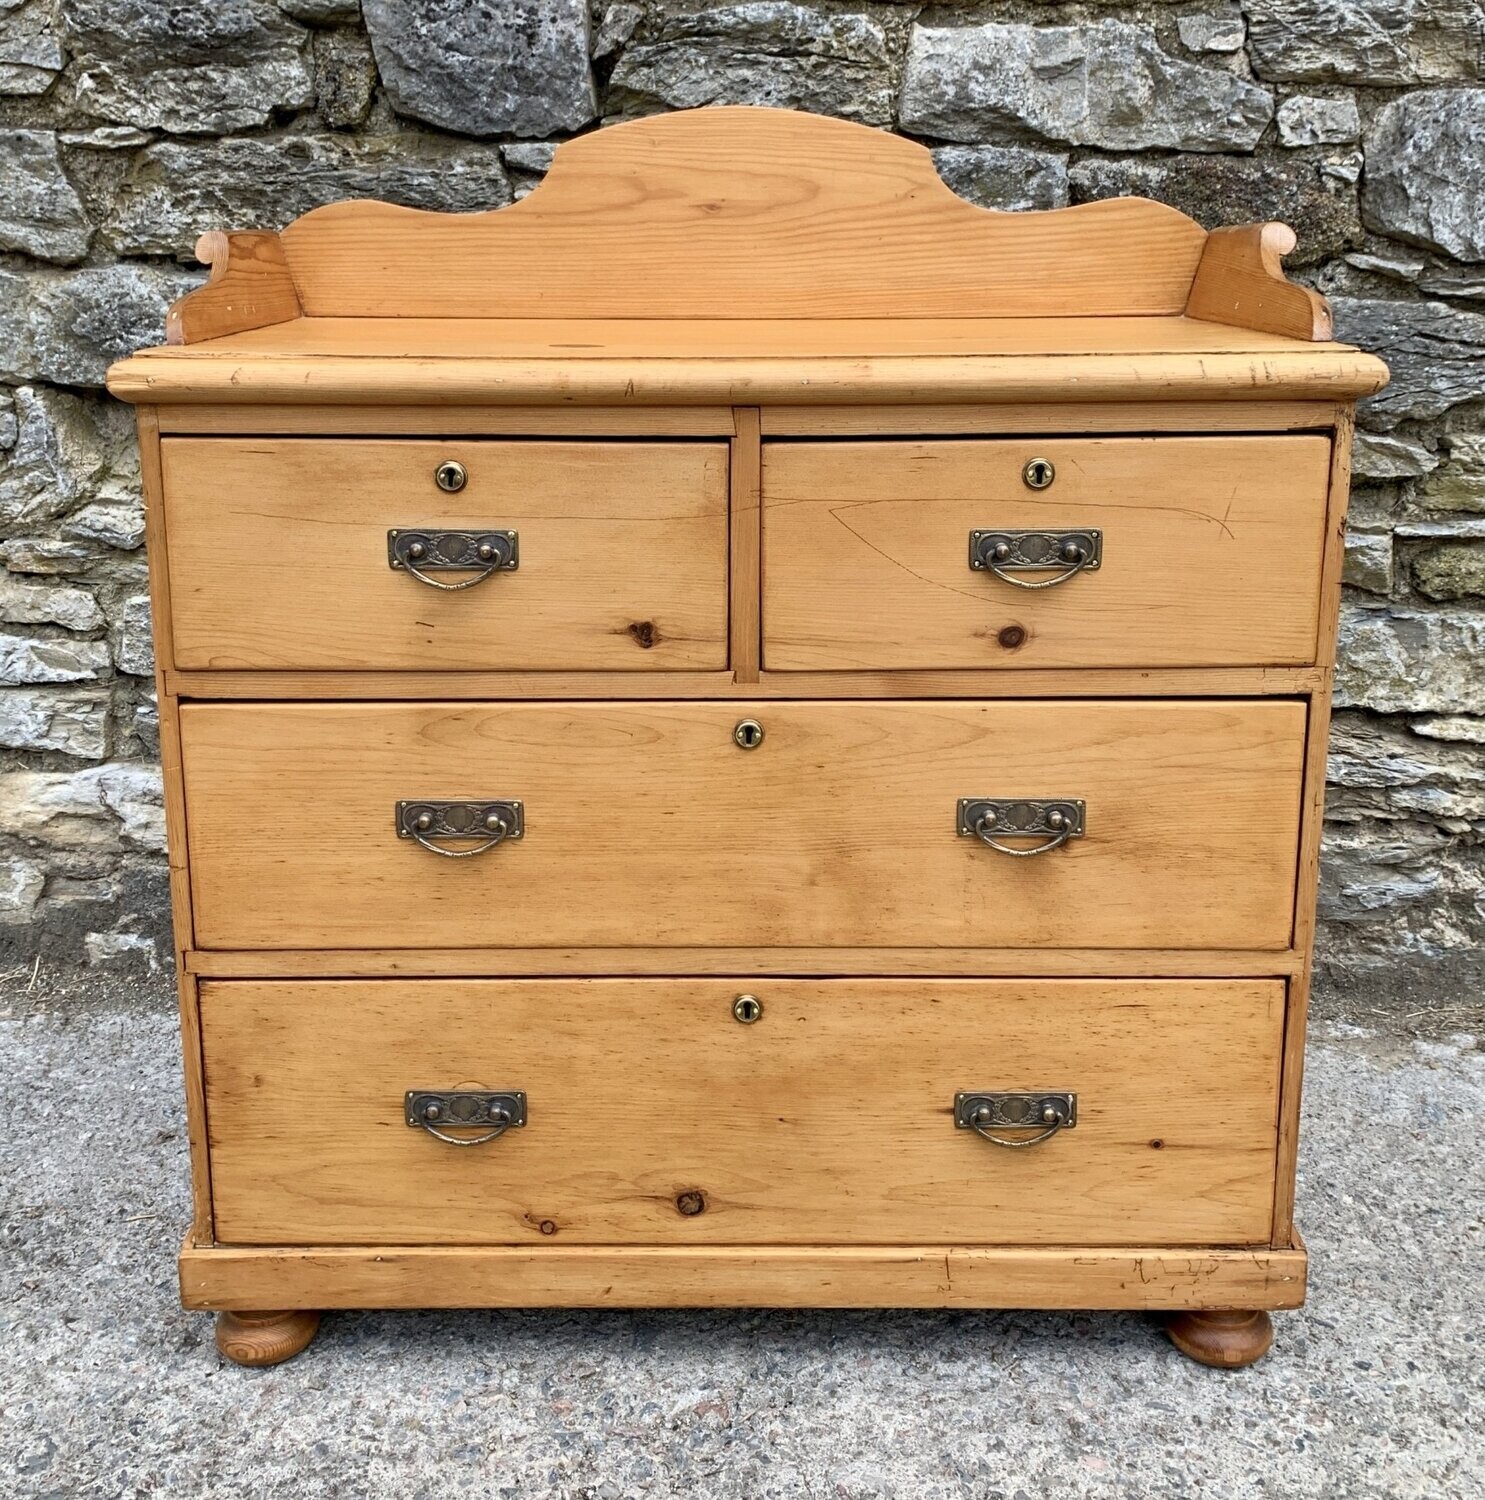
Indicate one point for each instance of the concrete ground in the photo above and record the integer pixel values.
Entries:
(1377, 1388)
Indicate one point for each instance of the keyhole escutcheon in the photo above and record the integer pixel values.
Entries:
(1039, 473)
(748, 734)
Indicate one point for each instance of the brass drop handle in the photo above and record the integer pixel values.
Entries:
(424, 551)
(492, 1113)
(991, 819)
(1063, 553)
(985, 1113)
(491, 822)
(1059, 827)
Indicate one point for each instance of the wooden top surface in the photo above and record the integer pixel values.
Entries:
(745, 255)
(706, 338)
(802, 361)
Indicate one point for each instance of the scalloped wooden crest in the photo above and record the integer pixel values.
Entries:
(740, 212)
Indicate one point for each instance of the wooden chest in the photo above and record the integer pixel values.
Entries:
(743, 731)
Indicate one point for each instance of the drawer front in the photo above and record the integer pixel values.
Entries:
(646, 825)
(653, 1116)
(1208, 553)
(279, 554)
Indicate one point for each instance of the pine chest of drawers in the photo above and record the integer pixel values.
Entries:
(744, 731)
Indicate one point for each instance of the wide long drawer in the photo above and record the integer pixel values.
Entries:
(644, 824)
(362, 553)
(1137, 552)
(651, 1115)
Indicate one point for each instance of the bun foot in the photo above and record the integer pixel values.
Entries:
(1228, 1340)
(265, 1338)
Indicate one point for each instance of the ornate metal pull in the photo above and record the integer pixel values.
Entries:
(1005, 553)
(491, 1113)
(1054, 822)
(492, 822)
(425, 551)
(1045, 1111)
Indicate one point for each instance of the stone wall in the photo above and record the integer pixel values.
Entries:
(127, 127)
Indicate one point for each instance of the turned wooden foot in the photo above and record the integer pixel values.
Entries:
(1228, 1340)
(265, 1338)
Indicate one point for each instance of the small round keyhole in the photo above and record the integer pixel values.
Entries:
(1039, 473)
(747, 1009)
(748, 735)
(451, 477)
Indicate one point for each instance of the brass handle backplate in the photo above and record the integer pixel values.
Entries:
(1065, 554)
(1045, 1111)
(487, 820)
(1053, 820)
(425, 550)
(490, 1112)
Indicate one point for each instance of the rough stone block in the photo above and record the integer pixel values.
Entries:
(1450, 571)
(344, 77)
(44, 555)
(21, 884)
(40, 212)
(115, 806)
(199, 69)
(1004, 177)
(175, 191)
(1107, 84)
(1218, 190)
(1436, 354)
(71, 721)
(763, 52)
(69, 326)
(134, 651)
(1368, 563)
(23, 603)
(65, 449)
(1368, 42)
(1217, 31)
(1376, 455)
(30, 54)
(1304, 120)
(322, 12)
(28, 658)
(1407, 661)
(1425, 173)
(1458, 483)
(117, 525)
(519, 68)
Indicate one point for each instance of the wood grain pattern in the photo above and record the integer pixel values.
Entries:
(722, 212)
(1240, 280)
(1104, 963)
(1193, 812)
(1144, 1277)
(279, 554)
(745, 586)
(1163, 682)
(722, 338)
(1211, 553)
(1068, 418)
(1312, 829)
(250, 287)
(176, 840)
(654, 1117)
(448, 421)
(232, 376)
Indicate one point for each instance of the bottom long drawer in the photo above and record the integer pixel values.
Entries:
(649, 1113)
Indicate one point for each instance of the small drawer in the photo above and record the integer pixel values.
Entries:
(870, 824)
(344, 553)
(1043, 552)
(648, 1114)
